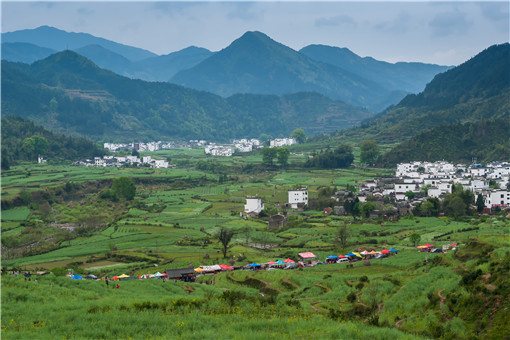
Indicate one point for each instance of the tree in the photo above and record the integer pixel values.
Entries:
(124, 187)
(53, 105)
(343, 234)
(225, 236)
(35, 145)
(410, 194)
(341, 157)
(455, 207)
(268, 154)
(299, 135)
(480, 204)
(415, 238)
(369, 152)
(367, 208)
(283, 157)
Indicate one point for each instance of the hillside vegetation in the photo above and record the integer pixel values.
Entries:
(71, 94)
(484, 140)
(476, 90)
(18, 133)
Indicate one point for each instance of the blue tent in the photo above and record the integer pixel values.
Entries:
(76, 277)
(332, 257)
(351, 254)
(254, 265)
(394, 250)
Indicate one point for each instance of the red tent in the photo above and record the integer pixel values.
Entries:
(385, 251)
(226, 267)
(272, 263)
(453, 244)
(342, 257)
(289, 261)
(115, 277)
(429, 245)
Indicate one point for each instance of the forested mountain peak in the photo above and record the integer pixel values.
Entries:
(475, 90)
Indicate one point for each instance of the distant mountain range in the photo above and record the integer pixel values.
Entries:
(409, 77)
(68, 93)
(475, 90)
(254, 64)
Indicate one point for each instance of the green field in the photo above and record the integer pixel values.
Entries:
(173, 222)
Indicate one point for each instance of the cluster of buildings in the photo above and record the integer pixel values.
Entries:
(150, 146)
(415, 182)
(118, 161)
(298, 199)
(279, 142)
(244, 145)
(241, 145)
(412, 184)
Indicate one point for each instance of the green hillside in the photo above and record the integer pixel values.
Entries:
(94, 102)
(255, 63)
(478, 89)
(409, 77)
(15, 147)
(485, 140)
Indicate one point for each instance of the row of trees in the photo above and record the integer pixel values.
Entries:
(281, 155)
(341, 157)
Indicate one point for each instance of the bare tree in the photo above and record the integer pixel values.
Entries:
(225, 236)
(343, 234)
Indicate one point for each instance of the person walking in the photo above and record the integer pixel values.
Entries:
(107, 282)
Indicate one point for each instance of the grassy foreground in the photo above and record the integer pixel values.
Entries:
(62, 223)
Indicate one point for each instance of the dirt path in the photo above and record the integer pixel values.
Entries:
(441, 303)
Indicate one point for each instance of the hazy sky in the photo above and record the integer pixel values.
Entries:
(445, 33)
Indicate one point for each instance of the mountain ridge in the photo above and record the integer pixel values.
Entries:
(255, 63)
(70, 93)
(475, 90)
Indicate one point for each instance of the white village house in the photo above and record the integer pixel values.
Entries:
(298, 198)
(253, 205)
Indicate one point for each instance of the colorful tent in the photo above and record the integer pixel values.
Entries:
(289, 261)
(373, 252)
(385, 251)
(253, 265)
(76, 277)
(453, 244)
(307, 255)
(422, 247)
(280, 262)
(272, 263)
(226, 267)
(214, 268)
(123, 276)
(342, 256)
(364, 252)
(357, 254)
(351, 254)
(429, 245)
(115, 277)
(393, 250)
(199, 270)
(332, 257)
(158, 274)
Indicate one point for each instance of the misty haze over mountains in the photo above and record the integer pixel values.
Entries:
(254, 63)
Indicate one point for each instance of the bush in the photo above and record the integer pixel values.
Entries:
(351, 297)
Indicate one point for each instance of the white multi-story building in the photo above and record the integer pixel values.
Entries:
(278, 142)
(298, 198)
(253, 204)
(497, 198)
